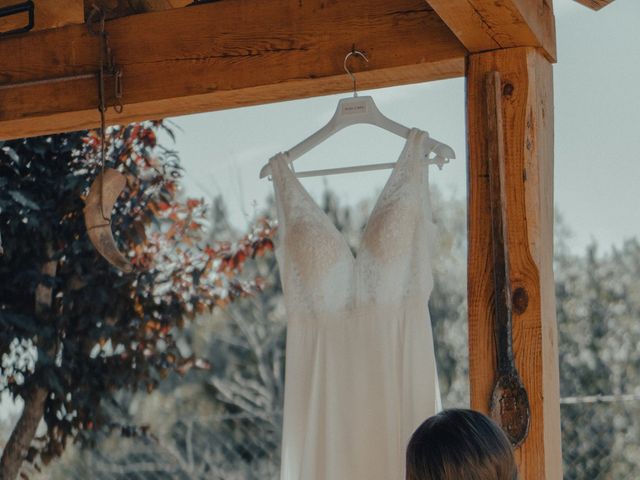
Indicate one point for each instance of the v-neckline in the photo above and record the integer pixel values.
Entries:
(409, 142)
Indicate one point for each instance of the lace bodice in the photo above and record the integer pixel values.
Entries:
(316, 263)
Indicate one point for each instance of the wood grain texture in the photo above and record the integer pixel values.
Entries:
(527, 110)
(483, 25)
(222, 55)
(48, 14)
(122, 8)
(594, 4)
(157, 5)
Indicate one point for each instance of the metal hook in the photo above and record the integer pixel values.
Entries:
(346, 69)
(95, 12)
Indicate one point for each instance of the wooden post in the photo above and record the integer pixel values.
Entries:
(527, 112)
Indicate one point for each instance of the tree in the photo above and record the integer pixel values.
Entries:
(598, 304)
(73, 331)
(220, 424)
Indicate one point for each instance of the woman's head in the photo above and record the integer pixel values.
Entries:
(460, 445)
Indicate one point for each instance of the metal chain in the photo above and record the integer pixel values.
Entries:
(102, 108)
(107, 64)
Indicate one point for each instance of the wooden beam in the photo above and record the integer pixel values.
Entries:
(527, 111)
(158, 5)
(122, 8)
(594, 4)
(48, 14)
(221, 55)
(483, 25)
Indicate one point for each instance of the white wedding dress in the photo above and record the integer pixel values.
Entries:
(360, 366)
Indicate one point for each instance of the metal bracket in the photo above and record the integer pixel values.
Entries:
(28, 7)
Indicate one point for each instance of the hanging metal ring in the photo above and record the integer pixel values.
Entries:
(91, 20)
(346, 68)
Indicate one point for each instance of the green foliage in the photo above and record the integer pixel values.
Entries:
(105, 331)
(220, 424)
(598, 305)
(448, 301)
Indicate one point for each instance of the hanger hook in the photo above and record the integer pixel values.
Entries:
(346, 68)
(96, 12)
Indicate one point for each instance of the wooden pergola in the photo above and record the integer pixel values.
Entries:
(235, 53)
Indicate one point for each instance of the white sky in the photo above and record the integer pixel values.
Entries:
(597, 132)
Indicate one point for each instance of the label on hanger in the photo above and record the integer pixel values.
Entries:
(354, 106)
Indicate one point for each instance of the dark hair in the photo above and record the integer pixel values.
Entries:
(460, 444)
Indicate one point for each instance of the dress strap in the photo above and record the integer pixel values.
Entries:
(423, 150)
(281, 192)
